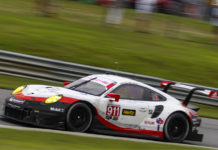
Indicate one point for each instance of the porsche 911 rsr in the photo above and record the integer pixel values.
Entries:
(106, 102)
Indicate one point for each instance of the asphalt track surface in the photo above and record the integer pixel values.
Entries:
(209, 127)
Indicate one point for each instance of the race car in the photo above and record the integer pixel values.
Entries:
(105, 102)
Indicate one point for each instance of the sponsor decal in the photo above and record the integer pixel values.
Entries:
(131, 126)
(128, 112)
(108, 117)
(159, 121)
(103, 81)
(149, 122)
(151, 128)
(110, 85)
(115, 118)
(113, 110)
(150, 112)
(13, 100)
(56, 109)
(53, 89)
(112, 117)
(36, 111)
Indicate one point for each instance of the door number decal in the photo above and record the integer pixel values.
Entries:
(113, 110)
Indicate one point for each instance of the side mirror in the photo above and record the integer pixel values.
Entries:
(66, 83)
(115, 96)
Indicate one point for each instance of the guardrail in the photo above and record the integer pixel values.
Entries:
(59, 71)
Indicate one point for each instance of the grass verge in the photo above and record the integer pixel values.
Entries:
(12, 82)
(31, 140)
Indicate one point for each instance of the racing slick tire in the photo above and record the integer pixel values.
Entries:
(79, 117)
(176, 128)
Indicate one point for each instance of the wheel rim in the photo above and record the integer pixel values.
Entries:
(79, 118)
(177, 128)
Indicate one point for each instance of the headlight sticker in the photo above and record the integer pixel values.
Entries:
(19, 89)
(53, 99)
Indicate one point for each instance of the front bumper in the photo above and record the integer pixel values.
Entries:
(36, 113)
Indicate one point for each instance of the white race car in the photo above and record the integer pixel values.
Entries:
(107, 102)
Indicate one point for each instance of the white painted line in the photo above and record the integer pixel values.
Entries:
(100, 136)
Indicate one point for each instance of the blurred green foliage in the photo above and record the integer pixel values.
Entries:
(177, 48)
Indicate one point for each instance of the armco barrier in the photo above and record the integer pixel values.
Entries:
(59, 71)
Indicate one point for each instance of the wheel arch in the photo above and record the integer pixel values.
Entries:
(185, 114)
(182, 112)
(93, 109)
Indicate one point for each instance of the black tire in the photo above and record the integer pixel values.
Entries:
(176, 128)
(79, 117)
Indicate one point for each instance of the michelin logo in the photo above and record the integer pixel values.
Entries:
(13, 100)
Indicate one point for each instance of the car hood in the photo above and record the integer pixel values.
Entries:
(48, 91)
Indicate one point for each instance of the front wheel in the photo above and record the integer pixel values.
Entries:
(79, 117)
(176, 128)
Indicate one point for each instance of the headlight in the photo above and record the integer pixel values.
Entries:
(20, 88)
(53, 99)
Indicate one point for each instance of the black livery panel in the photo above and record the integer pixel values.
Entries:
(37, 113)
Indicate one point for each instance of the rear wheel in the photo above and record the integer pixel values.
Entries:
(79, 117)
(176, 128)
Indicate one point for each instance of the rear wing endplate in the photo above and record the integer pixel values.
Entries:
(171, 84)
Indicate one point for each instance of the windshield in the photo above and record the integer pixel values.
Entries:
(77, 83)
(94, 86)
(91, 88)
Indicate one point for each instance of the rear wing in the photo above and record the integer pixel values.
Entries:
(171, 84)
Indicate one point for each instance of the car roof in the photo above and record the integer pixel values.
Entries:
(116, 78)
(121, 80)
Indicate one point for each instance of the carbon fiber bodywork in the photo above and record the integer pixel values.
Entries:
(194, 135)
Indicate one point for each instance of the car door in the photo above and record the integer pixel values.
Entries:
(130, 110)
